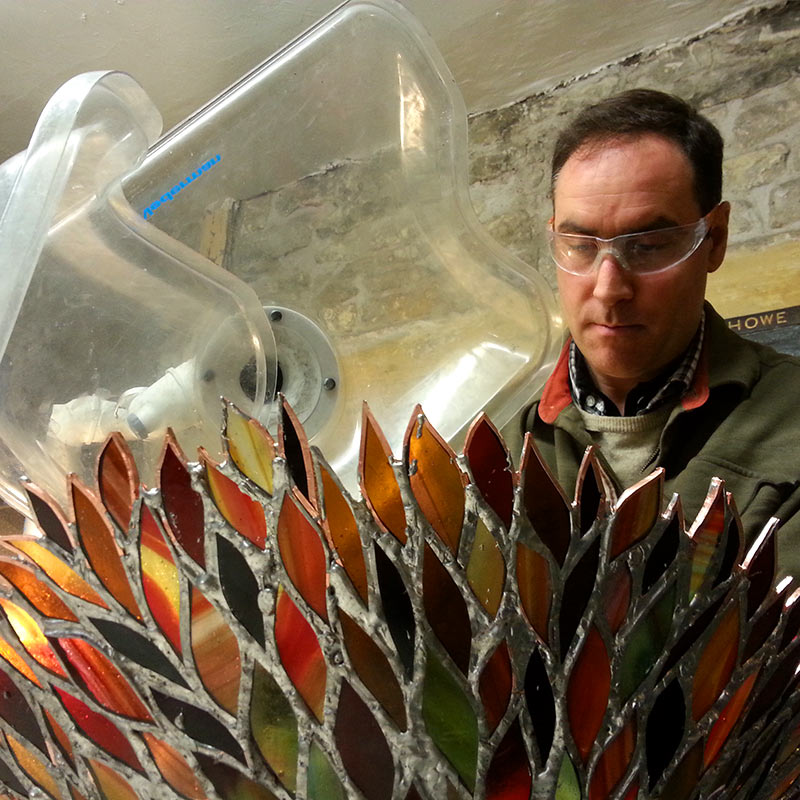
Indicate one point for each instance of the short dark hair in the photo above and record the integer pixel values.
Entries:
(644, 111)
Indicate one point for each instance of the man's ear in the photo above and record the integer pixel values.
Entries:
(718, 234)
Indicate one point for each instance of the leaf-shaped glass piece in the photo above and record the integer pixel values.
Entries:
(535, 589)
(97, 540)
(587, 692)
(590, 490)
(509, 774)
(60, 738)
(303, 555)
(240, 588)
(117, 480)
(365, 753)
(242, 514)
(495, 685)
(760, 565)
(666, 548)
(293, 446)
(768, 694)
(450, 719)
(323, 783)
(342, 529)
(568, 787)
(763, 624)
(491, 467)
(182, 504)
(215, 651)
(613, 763)
(396, 608)
(31, 637)
(36, 769)
(636, 512)
(274, 727)
(436, 480)
(100, 730)
(541, 704)
(373, 668)
(728, 717)
(545, 503)
(578, 589)
(486, 569)
(111, 784)
(706, 532)
(618, 597)
(173, 768)
(683, 780)
(11, 782)
(377, 479)
(300, 654)
(16, 711)
(49, 518)
(38, 593)
(664, 733)
(792, 616)
(446, 610)
(17, 662)
(160, 580)
(716, 663)
(229, 783)
(250, 447)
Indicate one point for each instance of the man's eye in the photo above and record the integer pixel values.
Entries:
(582, 248)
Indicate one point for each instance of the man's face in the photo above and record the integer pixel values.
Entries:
(628, 326)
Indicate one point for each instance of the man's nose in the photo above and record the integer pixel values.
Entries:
(613, 282)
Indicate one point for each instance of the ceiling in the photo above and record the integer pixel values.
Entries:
(184, 53)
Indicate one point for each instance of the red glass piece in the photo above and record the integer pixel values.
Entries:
(49, 517)
(728, 717)
(636, 512)
(38, 593)
(716, 664)
(618, 597)
(545, 503)
(174, 769)
(31, 637)
(541, 704)
(293, 446)
(97, 541)
(377, 479)
(117, 479)
(363, 747)
(593, 490)
(36, 768)
(587, 692)
(486, 569)
(495, 685)
(182, 504)
(535, 589)
(303, 555)
(300, 654)
(509, 775)
(250, 446)
(706, 532)
(16, 711)
(491, 467)
(613, 763)
(111, 784)
(437, 482)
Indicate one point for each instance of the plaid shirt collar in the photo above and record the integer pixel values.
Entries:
(643, 398)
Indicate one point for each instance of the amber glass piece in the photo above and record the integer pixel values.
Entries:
(373, 668)
(636, 512)
(590, 490)
(97, 541)
(377, 479)
(613, 763)
(436, 480)
(251, 448)
(664, 733)
(535, 589)
(486, 569)
(683, 781)
(16, 711)
(446, 610)
(716, 664)
(760, 564)
(160, 579)
(541, 704)
(242, 513)
(174, 769)
(396, 608)
(546, 504)
(303, 555)
(495, 685)
(16, 661)
(568, 786)
(110, 783)
(293, 446)
(38, 593)
(728, 717)
(323, 783)
(578, 589)
(363, 747)
(36, 769)
(706, 532)
(216, 652)
(341, 527)
(509, 775)
(587, 692)
(300, 654)
(31, 637)
(49, 518)
(618, 597)
(182, 504)
(118, 480)
(229, 783)
(491, 467)
(60, 737)
(666, 548)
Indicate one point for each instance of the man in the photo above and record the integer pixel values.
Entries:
(651, 374)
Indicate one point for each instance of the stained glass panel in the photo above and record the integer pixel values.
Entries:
(251, 448)
(491, 468)
(117, 480)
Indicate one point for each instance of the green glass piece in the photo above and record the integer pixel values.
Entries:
(567, 787)
(450, 719)
(274, 727)
(323, 784)
(486, 571)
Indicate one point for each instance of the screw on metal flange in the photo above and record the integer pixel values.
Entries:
(275, 315)
(329, 383)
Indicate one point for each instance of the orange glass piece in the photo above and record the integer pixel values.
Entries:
(110, 783)
(377, 479)
(728, 717)
(38, 593)
(587, 692)
(241, 512)
(509, 776)
(61, 738)
(535, 589)
(303, 555)
(160, 579)
(491, 468)
(613, 764)
(293, 446)
(495, 685)
(618, 597)
(636, 512)
(49, 518)
(118, 480)
(173, 767)
(300, 654)
(716, 664)
(97, 539)
(216, 652)
(16, 661)
(31, 637)
(486, 569)
(706, 532)
(34, 767)
(251, 448)
(437, 482)
(545, 503)
(374, 670)
(342, 530)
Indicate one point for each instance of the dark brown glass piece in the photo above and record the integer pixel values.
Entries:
(590, 494)
(495, 685)
(293, 446)
(396, 608)
(49, 518)
(665, 726)
(491, 467)
(577, 591)
(509, 775)
(665, 549)
(541, 704)
(760, 565)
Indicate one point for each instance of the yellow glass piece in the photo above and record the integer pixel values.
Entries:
(251, 448)
(486, 570)
(31, 637)
(177, 773)
(112, 785)
(38, 771)
(38, 593)
(16, 661)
